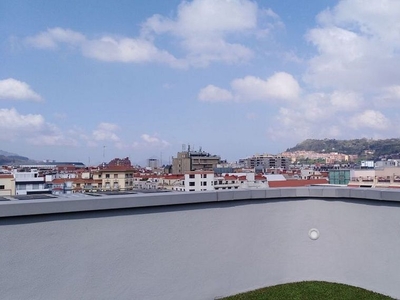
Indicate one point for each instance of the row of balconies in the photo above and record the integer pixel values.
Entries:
(394, 178)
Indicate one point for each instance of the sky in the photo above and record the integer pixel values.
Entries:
(86, 80)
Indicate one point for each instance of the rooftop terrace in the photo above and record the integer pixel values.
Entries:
(198, 245)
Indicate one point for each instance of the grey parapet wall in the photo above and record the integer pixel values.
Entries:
(199, 245)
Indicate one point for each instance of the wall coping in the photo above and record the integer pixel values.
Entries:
(87, 203)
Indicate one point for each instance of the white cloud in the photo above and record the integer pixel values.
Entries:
(106, 132)
(207, 41)
(31, 127)
(393, 91)
(206, 17)
(358, 46)
(203, 30)
(213, 93)
(12, 89)
(106, 48)
(150, 141)
(346, 100)
(388, 97)
(280, 86)
(353, 76)
(13, 123)
(51, 38)
(127, 50)
(370, 119)
(332, 115)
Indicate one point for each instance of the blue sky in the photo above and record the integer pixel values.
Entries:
(141, 78)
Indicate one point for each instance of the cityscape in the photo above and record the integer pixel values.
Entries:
(199, 149)
(197, 170)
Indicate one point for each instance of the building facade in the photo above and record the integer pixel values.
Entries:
(31, 182)
(115, 178)
(187, 161)
(7, 185)
(266, 161)
(197, 181)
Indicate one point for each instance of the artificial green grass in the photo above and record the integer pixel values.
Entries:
(310, 290)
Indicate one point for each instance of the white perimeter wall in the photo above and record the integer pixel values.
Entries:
(200, 251)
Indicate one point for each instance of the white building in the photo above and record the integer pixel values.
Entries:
(30, 183)
(197, 181)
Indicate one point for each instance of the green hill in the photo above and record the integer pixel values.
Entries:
(367, 148)
(7, 158)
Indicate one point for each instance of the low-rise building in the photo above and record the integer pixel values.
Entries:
(7, 185)
(376, 178)
(115, 178)
(187, 161)
(266, 161)
(30, 182)
(199, 181)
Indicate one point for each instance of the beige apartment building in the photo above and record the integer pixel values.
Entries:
(375, 178)
(187, 161)
(7, 185)
(115, 178)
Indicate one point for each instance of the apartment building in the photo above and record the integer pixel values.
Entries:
(30, 182)
(375, 178)
(266, 161)
(199, 181)
(115, 178)
(187, 161)
(7, 185)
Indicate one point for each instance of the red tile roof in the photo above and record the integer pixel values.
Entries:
(117, 169)
(6, 176)
(171, 176)
(296, 183)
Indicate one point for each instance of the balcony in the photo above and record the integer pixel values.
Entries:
(198, 245)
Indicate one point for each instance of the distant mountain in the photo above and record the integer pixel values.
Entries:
(5, 153)
(7, 158)
(368, 148)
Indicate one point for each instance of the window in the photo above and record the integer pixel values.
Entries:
(191, 183)
(99, 175)
(204, 176)
(191, 176)
(115, 175)
(204, 183)
(2, 187)
(107, 175)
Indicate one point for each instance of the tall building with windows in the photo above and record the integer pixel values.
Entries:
(266, 161)
(199, 181)
(115, 178)
(187, 161)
